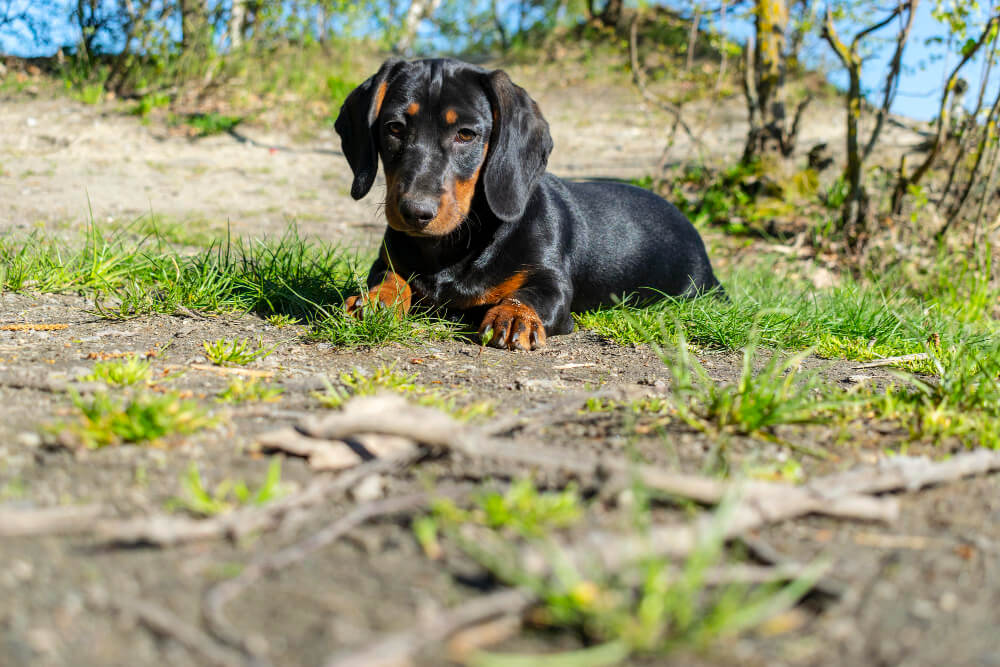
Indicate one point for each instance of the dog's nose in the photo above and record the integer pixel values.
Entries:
(418, 212)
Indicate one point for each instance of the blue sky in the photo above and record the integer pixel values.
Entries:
(925, 69)
(925, 65)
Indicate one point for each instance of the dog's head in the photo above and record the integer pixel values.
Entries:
(446, 131)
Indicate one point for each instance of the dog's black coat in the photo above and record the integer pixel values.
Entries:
(528, 238)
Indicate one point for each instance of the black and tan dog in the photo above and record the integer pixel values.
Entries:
(475, 224)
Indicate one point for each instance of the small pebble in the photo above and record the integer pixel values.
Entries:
(29, 439)
(368, 489)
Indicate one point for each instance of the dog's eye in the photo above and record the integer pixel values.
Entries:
(465, 135)
(395, 127)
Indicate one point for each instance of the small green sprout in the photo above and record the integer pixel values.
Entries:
(104, 420)
(239, 352)
(227, 495)
(129, 371)
(240, 390)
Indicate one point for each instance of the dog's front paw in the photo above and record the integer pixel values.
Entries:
(393, 294)
(512, 325)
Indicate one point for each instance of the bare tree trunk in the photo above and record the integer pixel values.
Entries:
(692, 38)
(725, 58)
(855, 214)
(419, 10)
(194, 19)
(904, 181)
(85, 30)
(237, 17)
(764, 84)
(501, 31)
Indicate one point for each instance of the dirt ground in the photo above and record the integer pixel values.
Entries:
(923, 591)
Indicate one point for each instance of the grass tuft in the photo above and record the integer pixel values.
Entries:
(779, 393)
(126, 372)
(240, 390)
(647, 607)
(145, 418)
(239, 352)
(199, 500)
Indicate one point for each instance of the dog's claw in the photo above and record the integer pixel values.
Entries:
(501, 337)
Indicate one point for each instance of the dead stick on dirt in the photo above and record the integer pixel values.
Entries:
(613, 551)
(164, 623)
(48, 520)
(52, 386)
(393, 415)
(888, 361)
(397, 650)
(215, 600)
(167, 530)
(905, 473)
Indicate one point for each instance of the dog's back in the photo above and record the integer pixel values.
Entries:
(623, 240)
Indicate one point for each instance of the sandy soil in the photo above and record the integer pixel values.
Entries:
(920, 592)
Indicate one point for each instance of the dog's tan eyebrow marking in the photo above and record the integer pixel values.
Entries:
(413, 109)
(451, 116)
(380, 96)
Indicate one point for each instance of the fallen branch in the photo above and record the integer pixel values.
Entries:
(48, 520)
(889, 361)
(613, 551)
(168, 530)
(441, 432)
(52, 386)
(907, 473)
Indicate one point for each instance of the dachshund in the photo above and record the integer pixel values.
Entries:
(475, 223)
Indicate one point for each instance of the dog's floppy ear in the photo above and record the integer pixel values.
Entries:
(354, 125)
(520, 144)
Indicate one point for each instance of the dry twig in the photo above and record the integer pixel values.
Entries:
(889, 361)
(166, 530)
(439, 431)
(48, 520)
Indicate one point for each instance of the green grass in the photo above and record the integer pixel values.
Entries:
(522, 510)
(290, 278)
(281, 320)
(647, 608)
(780, 393)
(145, 418)
(208, 124)
(385, 378)
(240, 390)
(199, 500)
(223, 352)
(129, 371)
(961, 401)
(855, 320)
